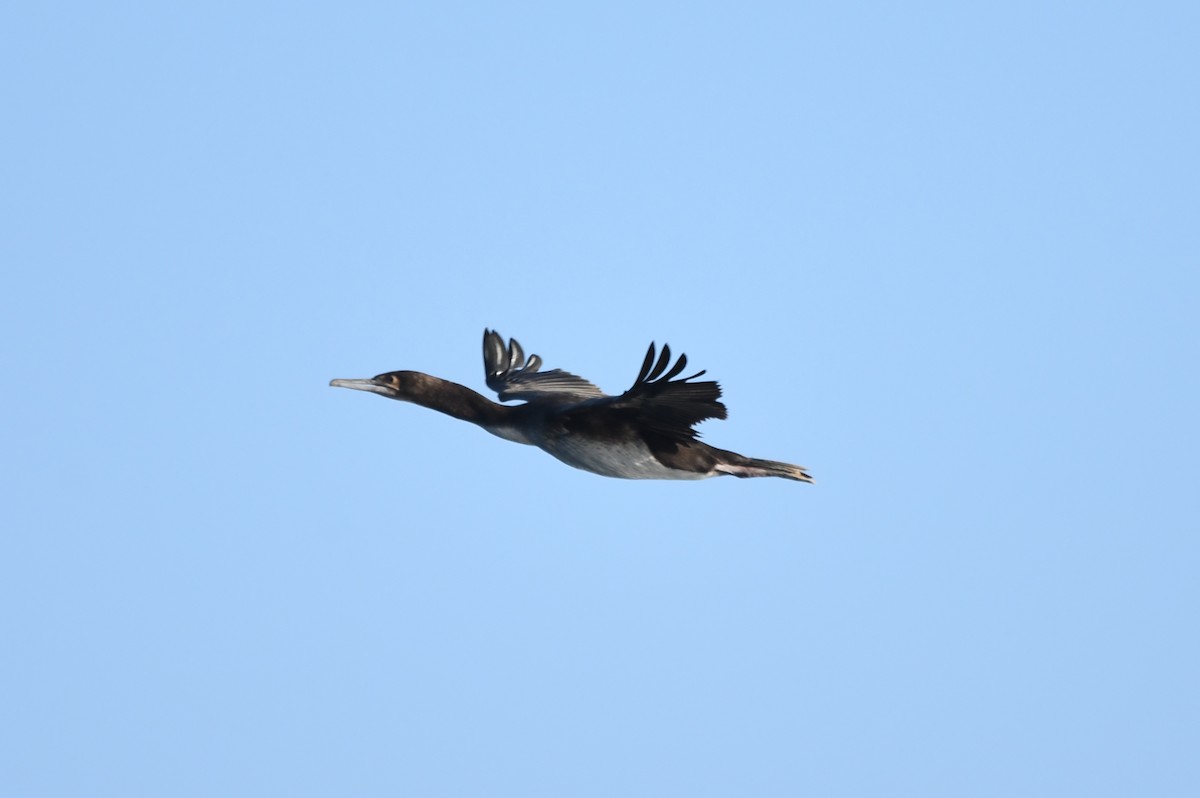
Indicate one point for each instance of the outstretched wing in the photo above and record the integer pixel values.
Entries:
(660, 401)
(675, 405)
(513, 377)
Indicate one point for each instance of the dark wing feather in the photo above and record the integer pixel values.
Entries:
(662, 402)
(513, 377)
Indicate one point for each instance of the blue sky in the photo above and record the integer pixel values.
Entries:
(944, 255)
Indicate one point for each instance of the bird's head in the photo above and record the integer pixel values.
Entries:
(393, 385)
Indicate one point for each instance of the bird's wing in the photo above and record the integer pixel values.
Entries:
(659, 402)
(513, 377)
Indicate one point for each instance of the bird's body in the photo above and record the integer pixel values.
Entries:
(645, 433)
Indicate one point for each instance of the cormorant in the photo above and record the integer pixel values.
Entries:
(645, 433)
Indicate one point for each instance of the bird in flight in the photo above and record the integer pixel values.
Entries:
(645, 433)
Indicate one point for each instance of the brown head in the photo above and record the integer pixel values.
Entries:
(432, 392)
(402, 385)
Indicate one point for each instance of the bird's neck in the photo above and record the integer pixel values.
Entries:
(453, 400)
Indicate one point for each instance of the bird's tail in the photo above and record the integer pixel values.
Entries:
(741, 466)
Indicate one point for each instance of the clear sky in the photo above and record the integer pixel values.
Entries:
(946, 255)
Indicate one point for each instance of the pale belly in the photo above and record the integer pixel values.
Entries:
(631, 460)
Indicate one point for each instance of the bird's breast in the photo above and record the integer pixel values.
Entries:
(513, 432)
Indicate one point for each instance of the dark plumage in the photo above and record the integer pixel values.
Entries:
(645, 433)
